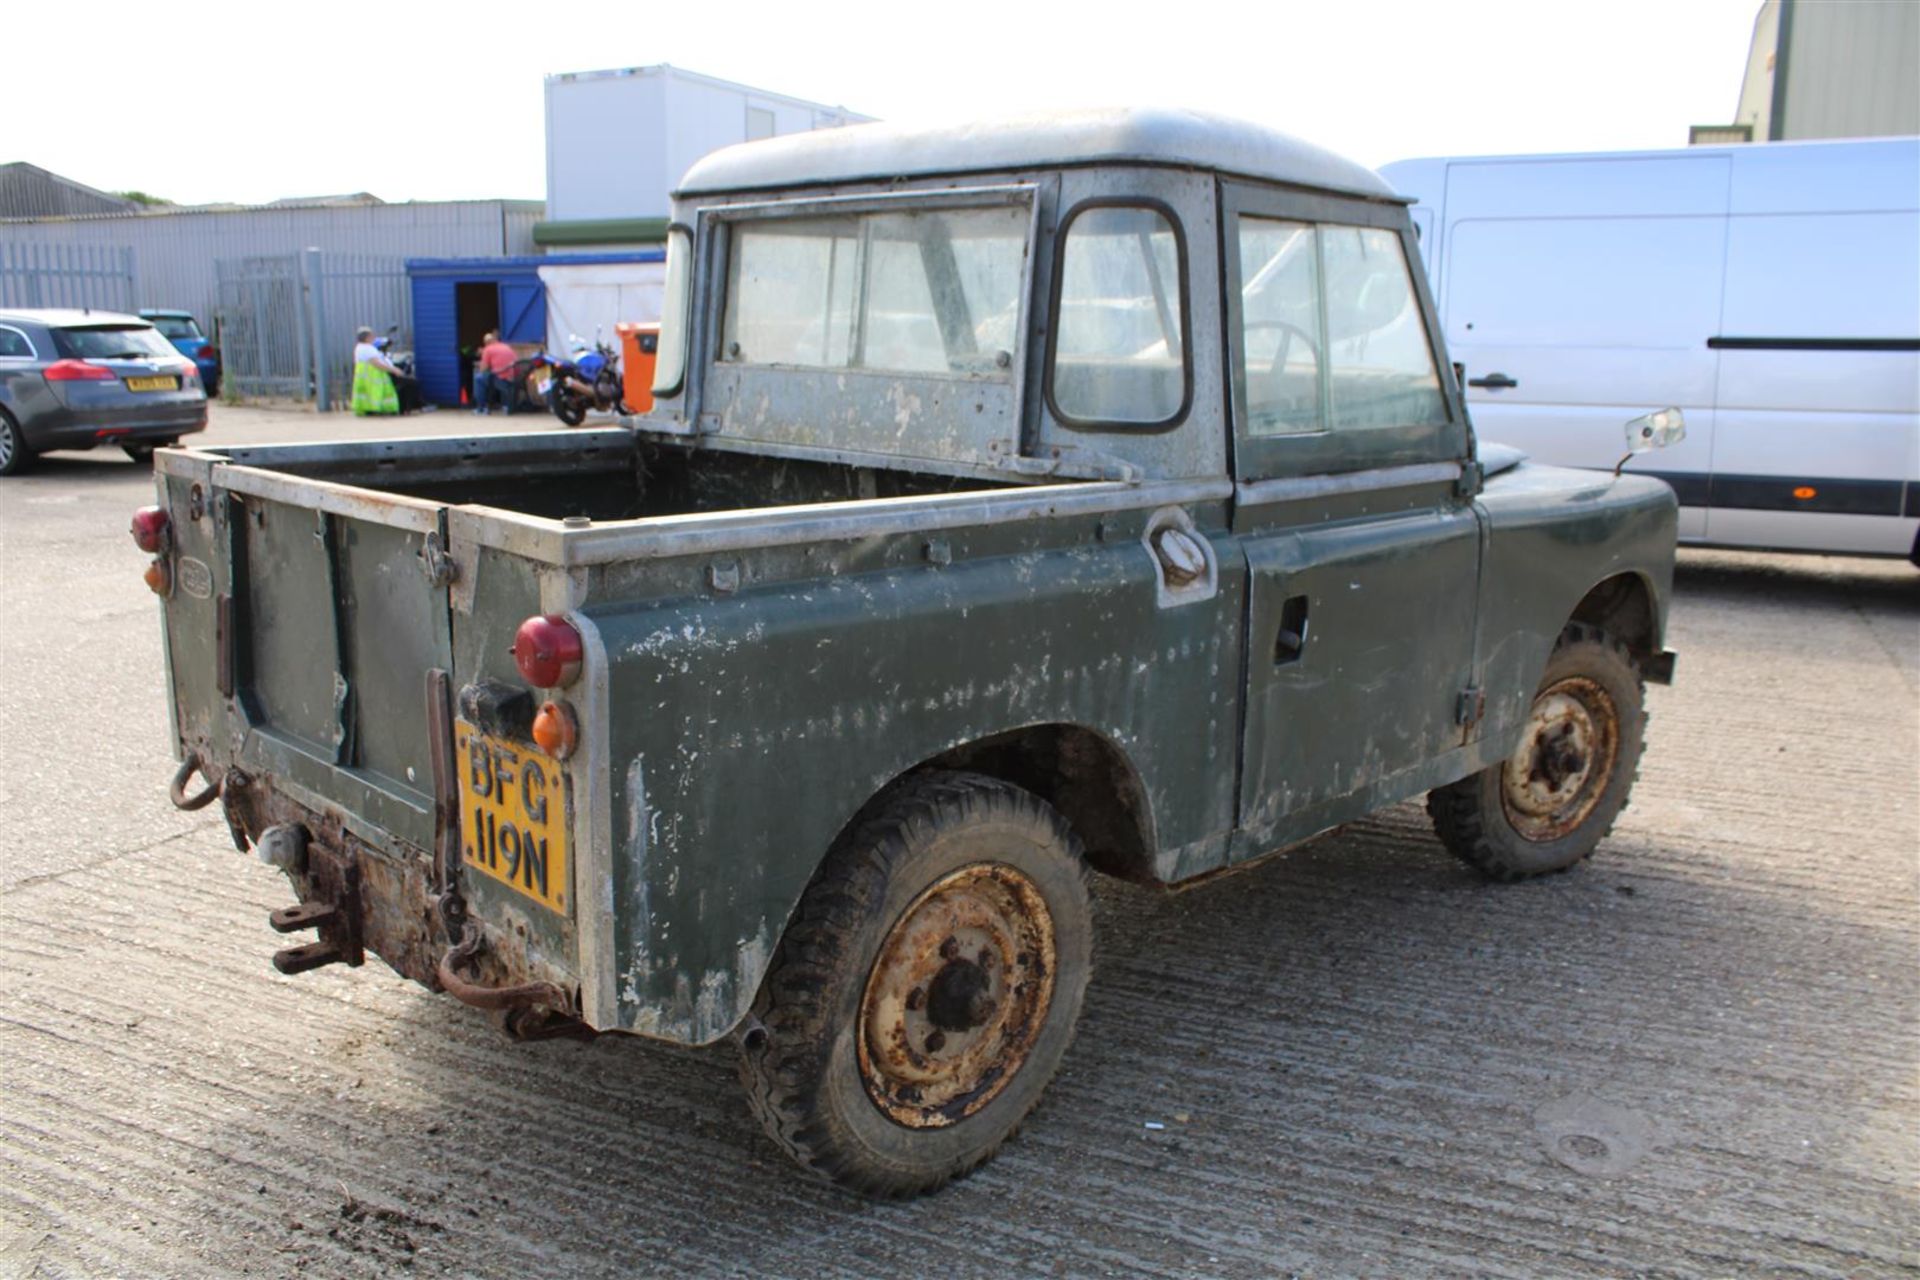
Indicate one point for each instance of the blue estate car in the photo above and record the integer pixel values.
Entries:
(183, 331)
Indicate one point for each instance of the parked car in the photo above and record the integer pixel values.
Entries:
(78, 379)
(1772, 291)
(834, 676)
(184, 332)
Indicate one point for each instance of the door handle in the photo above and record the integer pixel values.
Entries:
(1290, 640)
(1493, 382)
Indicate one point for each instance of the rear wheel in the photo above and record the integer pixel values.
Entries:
(927, 989)
(15, 456)
(571, 410)
(1548, 805)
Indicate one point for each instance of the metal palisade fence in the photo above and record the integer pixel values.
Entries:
(98, 277)
(287, 320)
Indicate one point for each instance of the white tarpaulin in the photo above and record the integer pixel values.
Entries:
(590, 298)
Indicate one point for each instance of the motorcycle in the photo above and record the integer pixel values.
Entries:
(588, 379)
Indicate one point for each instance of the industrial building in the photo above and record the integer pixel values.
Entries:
(1827, 70)
(618, 141)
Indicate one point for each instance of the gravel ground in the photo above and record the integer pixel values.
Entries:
(1695, 1055)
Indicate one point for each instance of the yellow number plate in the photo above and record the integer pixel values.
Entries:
(153, 384)
(513, 815)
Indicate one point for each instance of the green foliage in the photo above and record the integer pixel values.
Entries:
(142, 198)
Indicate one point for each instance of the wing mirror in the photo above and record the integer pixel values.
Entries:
(1654, 430)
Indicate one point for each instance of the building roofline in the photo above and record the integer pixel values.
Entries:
(182, 210)
(669, 71)
(74, 183)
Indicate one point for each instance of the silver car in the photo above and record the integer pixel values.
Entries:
(77, 379)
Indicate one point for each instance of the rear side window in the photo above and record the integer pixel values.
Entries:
(670, 363)
(176, 326)
(1119, 352)
(14, 345)
(112, 342)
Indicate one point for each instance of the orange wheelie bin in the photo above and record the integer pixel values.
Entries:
(639, 347)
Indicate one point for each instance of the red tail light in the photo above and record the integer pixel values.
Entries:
(79, 371)
(209, 352)
(150, 527)
(548, 651)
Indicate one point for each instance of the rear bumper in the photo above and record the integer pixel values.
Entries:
(83, 429)
(365, 899)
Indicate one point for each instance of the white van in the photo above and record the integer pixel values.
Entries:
(1772, 291)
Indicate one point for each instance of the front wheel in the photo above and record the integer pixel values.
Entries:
(1548, 805)
(927, 989)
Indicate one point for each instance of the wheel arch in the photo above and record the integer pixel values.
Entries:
(1086, 776)
(1626, 606)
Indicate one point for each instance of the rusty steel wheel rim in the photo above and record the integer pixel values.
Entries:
(1555, 780)
(957, 996)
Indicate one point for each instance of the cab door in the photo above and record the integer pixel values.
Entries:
(1362, 544)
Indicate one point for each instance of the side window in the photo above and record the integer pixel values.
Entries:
(1280, 336)
(1380, 364)
(1331, 332)
(14, 345)
(1119, 354)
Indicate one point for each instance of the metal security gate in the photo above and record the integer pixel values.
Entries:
(264, 340)
(354, 290)
(66, 275)
(287, 321)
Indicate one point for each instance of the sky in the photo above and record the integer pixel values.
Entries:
(260, 100)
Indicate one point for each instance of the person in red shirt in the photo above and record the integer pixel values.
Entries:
(492, 371)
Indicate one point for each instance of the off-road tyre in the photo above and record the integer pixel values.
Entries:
(1477, 818)
(806, 1058)
(15, 456)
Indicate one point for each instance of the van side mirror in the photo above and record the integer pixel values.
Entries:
(1654, 430)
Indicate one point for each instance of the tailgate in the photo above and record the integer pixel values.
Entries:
(336, 616)
(311, 638)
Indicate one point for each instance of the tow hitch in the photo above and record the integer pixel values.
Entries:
(338, 919)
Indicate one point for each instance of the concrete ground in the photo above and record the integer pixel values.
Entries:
(1695, 1055)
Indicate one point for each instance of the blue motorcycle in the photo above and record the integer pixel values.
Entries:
(589, 378)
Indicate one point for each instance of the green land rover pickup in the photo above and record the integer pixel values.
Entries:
(1087, 493)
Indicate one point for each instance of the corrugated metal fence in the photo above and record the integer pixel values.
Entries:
(61, 275)
(287, 321)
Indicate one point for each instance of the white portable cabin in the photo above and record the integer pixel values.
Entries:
(1772, 291)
